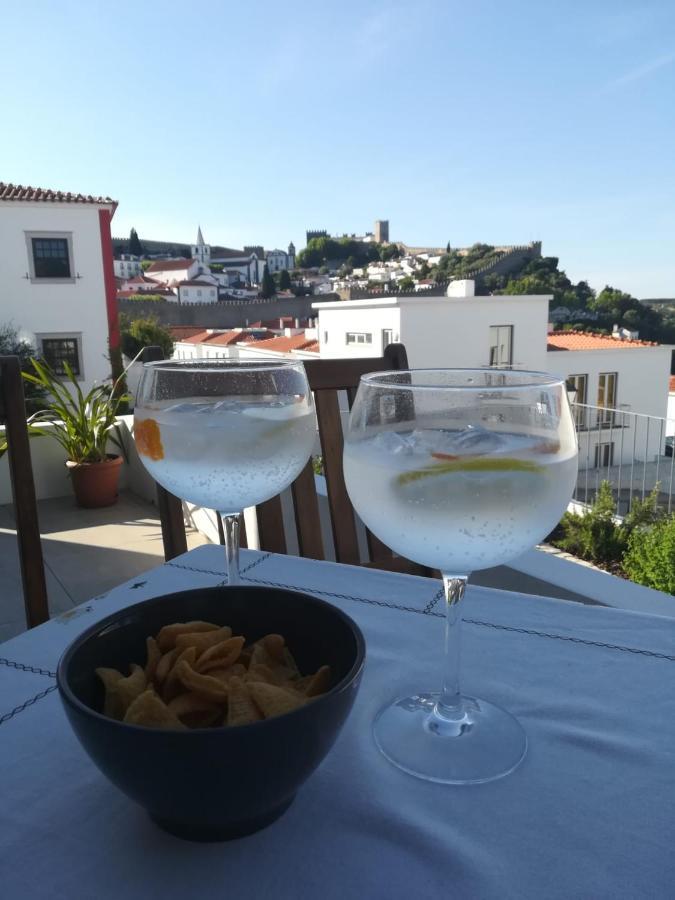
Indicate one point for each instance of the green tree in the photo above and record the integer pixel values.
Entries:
(13, 345)
(268, 288)
(135, 245)
(144, 332)
(285, 280)
(146, 263)
(406, 283)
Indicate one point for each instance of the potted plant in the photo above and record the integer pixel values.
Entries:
(83, 424)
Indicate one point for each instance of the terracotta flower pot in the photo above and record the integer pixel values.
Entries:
(95, 484)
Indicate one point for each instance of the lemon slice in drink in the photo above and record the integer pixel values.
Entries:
(471, 464)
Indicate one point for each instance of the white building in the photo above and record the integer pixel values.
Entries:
(127, 266)
(58, 281)
(278, 260)
(630, 376)
(173, 271)
(197, 292)
(458, 331)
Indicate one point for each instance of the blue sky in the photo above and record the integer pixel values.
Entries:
(461, 122)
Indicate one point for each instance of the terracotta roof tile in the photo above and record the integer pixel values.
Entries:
(180, 332)
(45, 195)
(671, 384)
(587, 340)
(284, 344)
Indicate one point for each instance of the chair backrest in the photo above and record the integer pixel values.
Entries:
(327, 377)
(13, 411)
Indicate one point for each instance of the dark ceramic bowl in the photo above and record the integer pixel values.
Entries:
(215, 783)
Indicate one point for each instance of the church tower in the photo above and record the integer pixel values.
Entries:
(201, 251)
(291, 255)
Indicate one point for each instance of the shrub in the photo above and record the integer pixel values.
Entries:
(145, 332)
(594, 536)
(650, 558)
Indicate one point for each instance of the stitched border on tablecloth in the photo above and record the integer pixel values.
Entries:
(423, 612)
(26, 704)
(252, 565)
(11, 664)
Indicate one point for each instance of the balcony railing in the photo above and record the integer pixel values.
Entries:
(632, 451)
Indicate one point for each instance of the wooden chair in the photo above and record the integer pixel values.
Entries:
(326, 378)
(13, 411)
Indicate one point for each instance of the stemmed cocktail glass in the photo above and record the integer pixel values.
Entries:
(225, 434)
(458, 469)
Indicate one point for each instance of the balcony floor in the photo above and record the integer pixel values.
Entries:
(86, 552)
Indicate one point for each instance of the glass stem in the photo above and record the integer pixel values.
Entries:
(450, 704)
(231, 535)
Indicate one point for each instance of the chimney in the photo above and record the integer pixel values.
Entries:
(297, 322)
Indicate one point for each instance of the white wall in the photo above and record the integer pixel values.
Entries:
(71, 308)
(335, 323)
(204, 294)
(438, 331)
(642, 387)
(175, 276)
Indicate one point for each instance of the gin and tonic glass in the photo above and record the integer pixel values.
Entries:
(459, 470)
(225, 434)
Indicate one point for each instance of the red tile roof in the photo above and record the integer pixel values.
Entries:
(671, 384)
(225, 338)
(285, 344)
(142, 279)
(168, 265)
(586, 340)
(180, 332)
(19, 192)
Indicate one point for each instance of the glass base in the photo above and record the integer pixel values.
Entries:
(482, 744)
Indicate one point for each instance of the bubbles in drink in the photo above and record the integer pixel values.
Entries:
(232, 453)
(459, 500)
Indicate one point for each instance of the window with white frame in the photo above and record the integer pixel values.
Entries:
(579, 384)
(606, 397)
(387, 337)
(359, 337)
(501, 345)
(50, 256)
(604, 455)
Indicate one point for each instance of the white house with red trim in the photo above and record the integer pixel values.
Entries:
(58, 282)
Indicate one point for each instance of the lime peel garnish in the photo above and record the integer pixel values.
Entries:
(479, 464)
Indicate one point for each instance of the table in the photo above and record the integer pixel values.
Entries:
(589, 814)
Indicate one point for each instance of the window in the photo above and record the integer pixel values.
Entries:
(579, 383)
(199, 292)
(604, 455)
(58, 350)
(606, 397)
(501, 345)
(387, 337)
(359, 337)
(50, 256)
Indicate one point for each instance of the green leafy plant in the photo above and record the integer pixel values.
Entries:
(82, 423)
(595, 536)
(598, 536)
(650, 558)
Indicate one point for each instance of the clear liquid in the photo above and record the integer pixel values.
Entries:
(229, 454)
(458, 521)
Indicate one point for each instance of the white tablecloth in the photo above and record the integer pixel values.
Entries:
(589, 814)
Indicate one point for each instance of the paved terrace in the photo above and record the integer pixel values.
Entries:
(86, 552)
